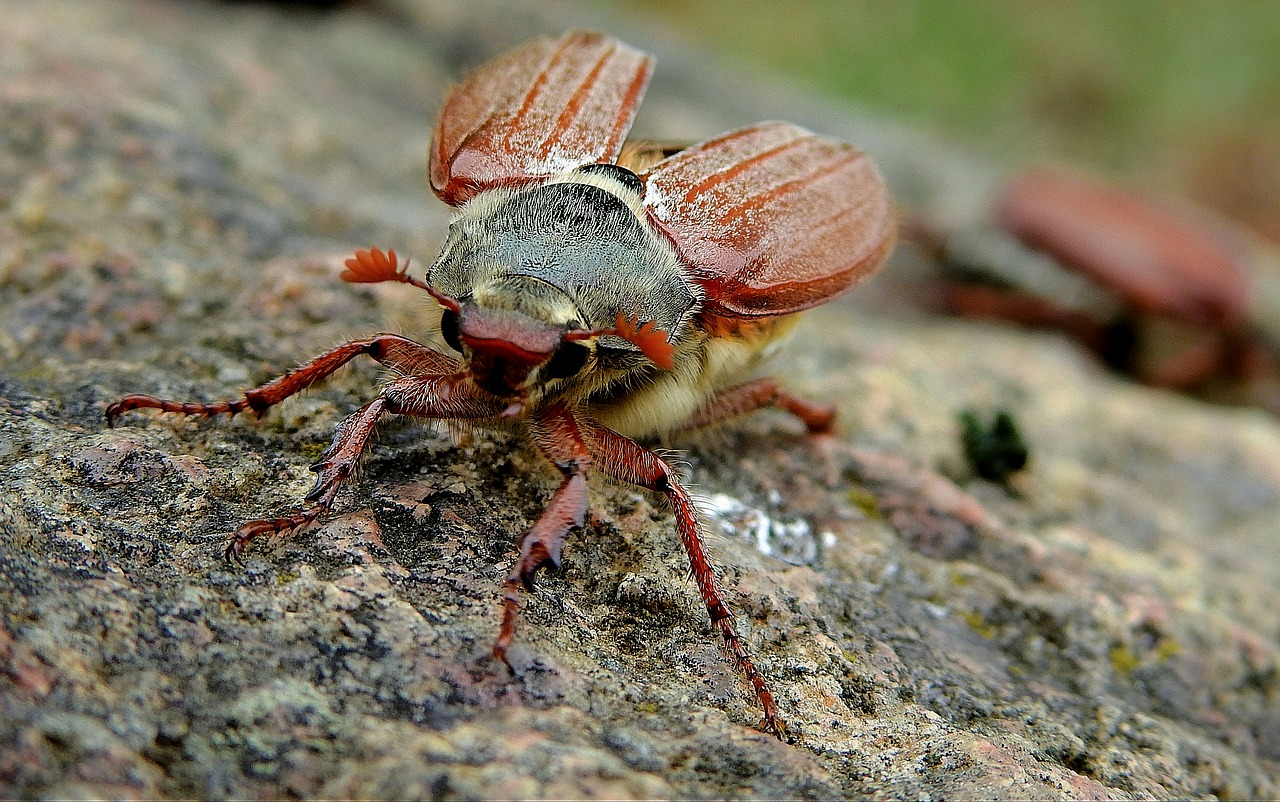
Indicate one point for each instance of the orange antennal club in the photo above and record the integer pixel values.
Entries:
(373, 265)
(651, 340)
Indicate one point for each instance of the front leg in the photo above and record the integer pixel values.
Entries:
(448, 396)
(336, 464)
(627, 460)
(396, 352)
(558, 434)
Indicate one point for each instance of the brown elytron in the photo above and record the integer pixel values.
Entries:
(595, 304)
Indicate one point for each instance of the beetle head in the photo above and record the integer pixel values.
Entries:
(512, 352)
(503, 349)
(515, 335)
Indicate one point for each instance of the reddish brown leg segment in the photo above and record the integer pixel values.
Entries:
(559, 436)
(340, 460)
(627, 460)
(336, 464)
(753, 395)
(391, 350)
(819, 419)
(428, 396)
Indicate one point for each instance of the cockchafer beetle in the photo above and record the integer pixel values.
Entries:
(1166, 297)
(599, 292)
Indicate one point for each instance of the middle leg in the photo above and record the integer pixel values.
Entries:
(625, 459)
(559, 436)
(447, 396)
(336, 464)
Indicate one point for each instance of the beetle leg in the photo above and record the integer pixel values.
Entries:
(446, 396)
(625, 459)
(753, 395)
(336, 464)
(398, 353)
(1192, 366)
(1113, 340)
(559, 436)
(819, 419)
(427, 396)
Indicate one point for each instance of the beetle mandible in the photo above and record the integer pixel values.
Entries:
(599, 292)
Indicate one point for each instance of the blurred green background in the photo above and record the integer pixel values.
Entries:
(1174, 96)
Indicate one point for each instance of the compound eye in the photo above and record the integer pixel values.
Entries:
(449, 329)
(566, 361)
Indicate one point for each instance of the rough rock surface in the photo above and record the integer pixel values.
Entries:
(178, 183)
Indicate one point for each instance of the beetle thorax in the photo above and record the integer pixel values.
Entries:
(572, 252)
